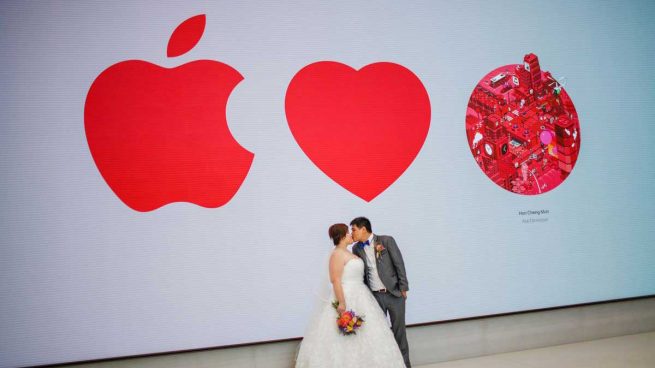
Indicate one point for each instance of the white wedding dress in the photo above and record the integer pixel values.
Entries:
(372, 346)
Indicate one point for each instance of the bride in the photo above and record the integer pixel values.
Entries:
(373, 345)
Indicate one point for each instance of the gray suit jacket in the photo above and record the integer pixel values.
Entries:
(391, 267)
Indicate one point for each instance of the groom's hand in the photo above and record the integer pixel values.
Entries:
(404, 294)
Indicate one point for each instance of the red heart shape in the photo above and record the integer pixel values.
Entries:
(361, 128)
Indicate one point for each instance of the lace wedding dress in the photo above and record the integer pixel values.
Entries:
(372, 346)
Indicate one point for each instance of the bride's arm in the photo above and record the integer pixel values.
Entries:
(336, 270)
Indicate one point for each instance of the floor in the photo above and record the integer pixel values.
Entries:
(618, 352)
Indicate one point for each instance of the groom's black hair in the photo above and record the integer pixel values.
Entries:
(361, 222)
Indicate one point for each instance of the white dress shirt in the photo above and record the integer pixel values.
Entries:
(374, 281)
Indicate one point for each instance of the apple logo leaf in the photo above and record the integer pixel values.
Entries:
(186, 36)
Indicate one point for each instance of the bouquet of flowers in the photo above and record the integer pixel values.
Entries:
(348, 322)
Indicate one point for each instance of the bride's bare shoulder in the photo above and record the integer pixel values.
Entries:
(340, 255)
(337, 253)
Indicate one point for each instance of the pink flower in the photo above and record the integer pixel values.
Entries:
(378, 249)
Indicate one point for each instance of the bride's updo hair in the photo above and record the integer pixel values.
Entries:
(337, 232)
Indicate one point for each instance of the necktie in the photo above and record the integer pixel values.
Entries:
(363, 244)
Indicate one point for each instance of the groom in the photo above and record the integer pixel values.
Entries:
(385, 276)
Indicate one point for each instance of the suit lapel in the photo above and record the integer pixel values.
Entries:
(378, 264)
(359, 250)
(361, 253)
(375, 242)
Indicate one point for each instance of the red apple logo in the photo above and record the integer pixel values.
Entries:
(361, 128)
(160, 135)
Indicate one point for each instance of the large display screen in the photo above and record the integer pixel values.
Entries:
(169, 170)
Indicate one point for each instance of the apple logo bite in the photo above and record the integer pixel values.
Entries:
(160, 135)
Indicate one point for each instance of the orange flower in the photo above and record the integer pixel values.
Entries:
(345, 319)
